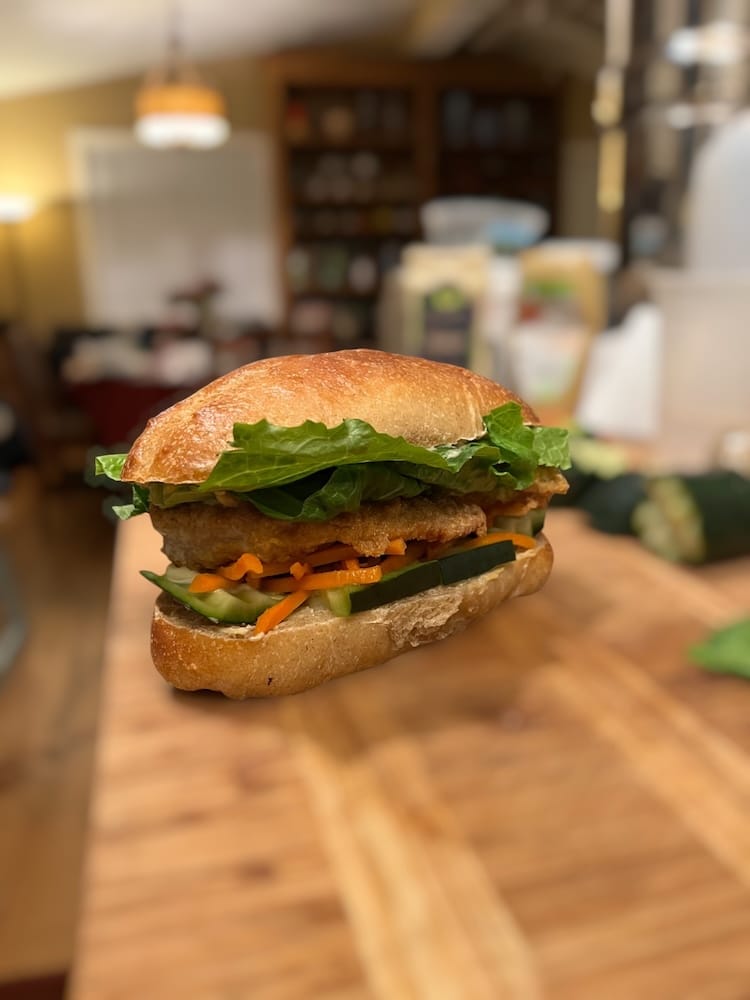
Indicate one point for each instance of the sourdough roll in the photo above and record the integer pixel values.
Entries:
(422, 401)
(315, 646)
(323, 513)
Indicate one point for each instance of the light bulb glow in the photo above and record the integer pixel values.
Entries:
(168, 130)
(16, 207)
(719, 43)
(180, 115)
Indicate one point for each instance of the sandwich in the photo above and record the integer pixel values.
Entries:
(323, 513)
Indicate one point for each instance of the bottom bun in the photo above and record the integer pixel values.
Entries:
(314, 645)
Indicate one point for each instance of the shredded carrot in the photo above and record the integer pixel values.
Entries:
(204, 583)
(274, 568)
(446, 548)
(341, 578)
(273, 616)
(323, 581)
(298, 570)
(247, 563)
(521, 541)
(391, 563)
(436, 549)
(396, 547)
(334, 553)
(351, 564)
(414, 551)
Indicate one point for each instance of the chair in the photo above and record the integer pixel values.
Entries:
(59, 433)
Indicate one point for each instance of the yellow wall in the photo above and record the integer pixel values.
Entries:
(34, 160)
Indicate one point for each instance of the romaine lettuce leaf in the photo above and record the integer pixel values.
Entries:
(109, 466)
(312, 472)
(264, 454)
(138, 505)
(324, 495)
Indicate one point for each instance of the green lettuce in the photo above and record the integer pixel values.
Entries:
(110, 466)
(264, 455)
(324, 495)
(312, 472)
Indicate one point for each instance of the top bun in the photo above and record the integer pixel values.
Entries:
(425, 402)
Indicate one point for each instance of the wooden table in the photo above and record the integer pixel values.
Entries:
(554, 804)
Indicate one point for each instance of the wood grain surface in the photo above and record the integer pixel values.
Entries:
(48, 712)
(554, 804)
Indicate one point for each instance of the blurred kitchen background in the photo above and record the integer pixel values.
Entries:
(556, 194)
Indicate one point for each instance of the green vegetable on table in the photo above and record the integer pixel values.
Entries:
(726, 651)
(696, 519)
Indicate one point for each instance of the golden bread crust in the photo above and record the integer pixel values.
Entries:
(426, 402)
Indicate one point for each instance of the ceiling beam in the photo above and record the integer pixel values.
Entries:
(439, 28)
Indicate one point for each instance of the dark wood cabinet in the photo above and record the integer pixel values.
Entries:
(362, 144)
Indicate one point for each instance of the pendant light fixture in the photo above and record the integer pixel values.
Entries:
(175, 108)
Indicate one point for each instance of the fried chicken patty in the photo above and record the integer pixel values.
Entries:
(514, 503)
(204, 536)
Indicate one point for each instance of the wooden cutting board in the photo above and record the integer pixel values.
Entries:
(554, 804)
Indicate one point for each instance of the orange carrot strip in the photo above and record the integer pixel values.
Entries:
(204, 583)
(335, 553)
(436, 549)
(392, 563)
(414, 551)
(341, 578)
(351, 564)
(247, 563)
(521, 541)
(298, 570)
(274, 568)
(396, 547)
(322, 581)
(272, 617)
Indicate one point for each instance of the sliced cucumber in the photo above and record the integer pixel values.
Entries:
(404, 583)
(530, 523)
(180, 574)
(345, 601)
(338, 599)
(241, 606)
(536, 517)
(474, 562)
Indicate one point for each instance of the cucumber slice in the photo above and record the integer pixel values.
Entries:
(338, 601)
(345, 601)
(530, 523)
(241, 606)
(463, 565)
(180, 574)
(404, 583)
(536, 517)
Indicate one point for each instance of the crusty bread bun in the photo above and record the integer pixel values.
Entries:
(314, 646)
(423, 401)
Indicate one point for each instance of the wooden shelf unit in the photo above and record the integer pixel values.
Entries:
(330, 116)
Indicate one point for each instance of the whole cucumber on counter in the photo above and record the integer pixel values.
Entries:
(696, 519)
(611, 503)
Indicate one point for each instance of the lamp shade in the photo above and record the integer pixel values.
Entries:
(180, 114)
